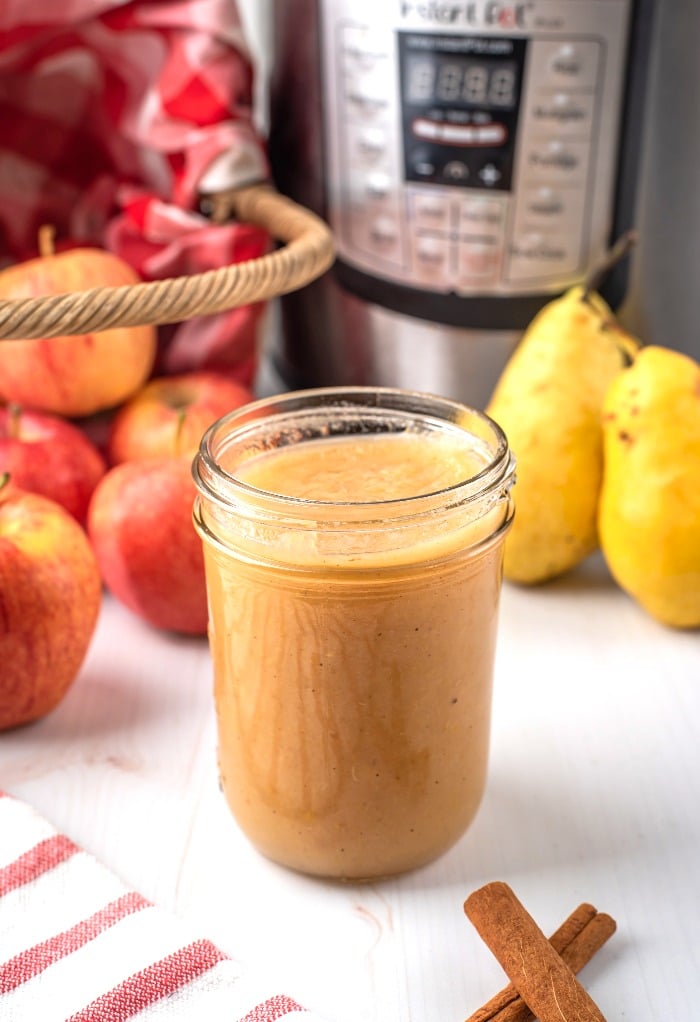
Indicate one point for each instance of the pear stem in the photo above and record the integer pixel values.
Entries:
(609, 260)
(46, 237)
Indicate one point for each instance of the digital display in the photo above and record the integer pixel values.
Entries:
(461, 81)
(460, 103)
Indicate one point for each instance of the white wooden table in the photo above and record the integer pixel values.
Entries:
(594, 795)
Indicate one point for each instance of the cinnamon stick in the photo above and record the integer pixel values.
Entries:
(577, 940)
(508, 1000)
(540, 975)
(591, 939)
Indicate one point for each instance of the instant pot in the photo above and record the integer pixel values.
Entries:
(473, 158)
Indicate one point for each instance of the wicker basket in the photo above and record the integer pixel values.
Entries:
(306, 253)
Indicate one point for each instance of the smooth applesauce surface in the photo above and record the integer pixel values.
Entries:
(353, 702)
(370, 468)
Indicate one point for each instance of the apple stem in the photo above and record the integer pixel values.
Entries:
(609, 260)
(4, 479)
(46, 237)
(182, 415)
(14, 417)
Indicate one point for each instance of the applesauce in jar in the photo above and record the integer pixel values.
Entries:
(353, 545)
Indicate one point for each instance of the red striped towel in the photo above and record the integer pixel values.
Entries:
(77, 946)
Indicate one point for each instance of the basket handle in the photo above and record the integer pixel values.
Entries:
(307, 252)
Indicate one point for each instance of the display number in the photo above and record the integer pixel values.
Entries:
(476, 85)
(421, 82)
(502, 87)
(461, 82)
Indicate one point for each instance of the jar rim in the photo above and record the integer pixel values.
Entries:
(225, 488)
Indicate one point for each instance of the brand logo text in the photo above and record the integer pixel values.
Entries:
(493, 14)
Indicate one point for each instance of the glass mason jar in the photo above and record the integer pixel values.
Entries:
(353, 620)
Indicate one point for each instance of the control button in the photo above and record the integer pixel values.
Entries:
(431, 212)
(554, 154)
(370, 145)
(384, 232)
(480, 215)
(551, 209)
(455, 171)
(361, 58)
(377, 238)
(422, 162)
(538, 247)
(431, 257)
(544, 257)
(557, 161)
(361, 50)
(378, 187)
(570, 63)
(477, 261)
(545, 202)
(365, 99)
(565, 113)
(490, 175)
(567, 61)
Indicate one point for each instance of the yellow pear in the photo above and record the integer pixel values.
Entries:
(548, 401)
(649, 513)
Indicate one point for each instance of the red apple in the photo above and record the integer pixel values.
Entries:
(47, 455)
(73, 376)
(150, 556)
(50, 595)
(169, 415)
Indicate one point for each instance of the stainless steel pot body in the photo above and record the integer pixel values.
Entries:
(473, 159)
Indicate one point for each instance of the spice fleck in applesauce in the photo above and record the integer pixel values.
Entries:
(353, 660)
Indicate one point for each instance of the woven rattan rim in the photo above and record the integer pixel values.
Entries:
(307, 252)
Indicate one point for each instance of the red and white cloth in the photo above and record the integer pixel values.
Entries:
(115, 115)
(76, 945)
